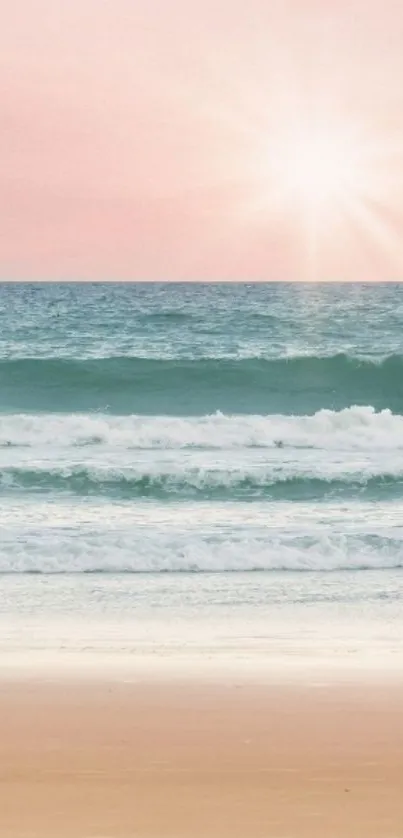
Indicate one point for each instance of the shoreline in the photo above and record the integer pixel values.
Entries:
(204, 667)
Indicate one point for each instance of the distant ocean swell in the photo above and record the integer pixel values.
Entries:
(127, 385)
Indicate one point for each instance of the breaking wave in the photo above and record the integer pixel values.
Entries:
(127, 385)
(265, 481)
(131, 552)
(357, 428)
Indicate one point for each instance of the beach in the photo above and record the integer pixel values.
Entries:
(162, 757)
(201, 419)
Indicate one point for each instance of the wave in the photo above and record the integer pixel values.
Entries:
(132, 552)
(267, 482)
(128, 385)
(354, 428)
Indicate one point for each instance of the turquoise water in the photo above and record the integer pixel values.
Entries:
(191, 433)
(192, 350)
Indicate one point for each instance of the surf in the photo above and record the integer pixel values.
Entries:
(125, 385)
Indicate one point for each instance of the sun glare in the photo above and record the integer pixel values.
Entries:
(318, 171)
(329, 179)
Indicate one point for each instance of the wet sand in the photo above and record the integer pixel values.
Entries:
(201, 759)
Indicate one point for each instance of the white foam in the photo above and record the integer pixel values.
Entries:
(189, 472)
(356, 427)
(139, 550)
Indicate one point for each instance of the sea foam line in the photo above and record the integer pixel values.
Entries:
(134, 551)
(356, 427)
(178, 481)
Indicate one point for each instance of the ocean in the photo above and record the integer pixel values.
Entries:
(201, 466)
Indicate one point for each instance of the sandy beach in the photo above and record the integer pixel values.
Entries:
(200, 759)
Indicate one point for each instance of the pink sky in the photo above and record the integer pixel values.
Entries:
(137, 136)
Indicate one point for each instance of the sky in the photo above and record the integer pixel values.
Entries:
(180, 140)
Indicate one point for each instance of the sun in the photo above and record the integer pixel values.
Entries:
(324, 180)
(325, 184)
(317, 170)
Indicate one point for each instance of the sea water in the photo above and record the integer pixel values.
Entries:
(201, 466)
